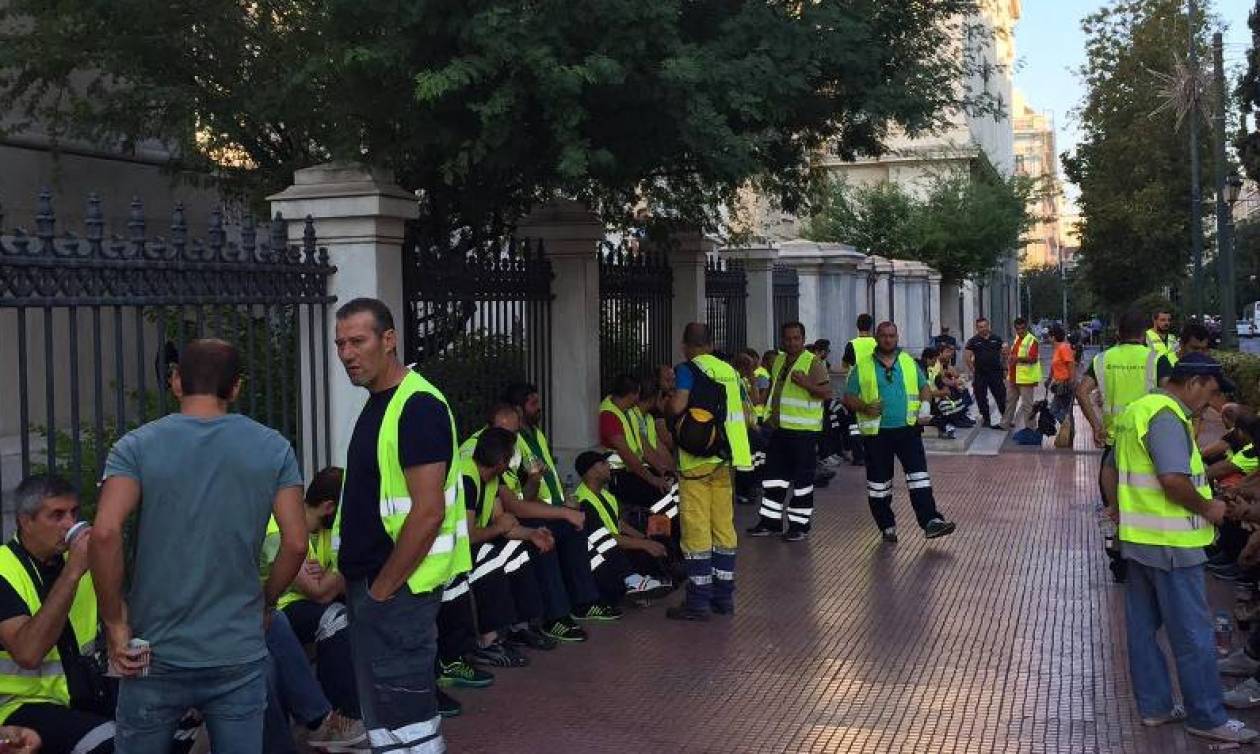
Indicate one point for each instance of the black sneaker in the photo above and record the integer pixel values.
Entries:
(760, 531)
(565, 630)
(682, 612)
(795, 535)
(598, 612)
(498, 656)
(938, 528)
(889, 535)
(460, 673)
(531, 637)
(448, 706)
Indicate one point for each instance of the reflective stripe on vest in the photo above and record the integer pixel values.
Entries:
(868, 387)
(1124, 373)
(486, 491)
(1243, 461)
(627, 432)
(46, 683)
(532, 443)
(1147, 516)
(1026, 374)
(605, 504)
(735, 427)
(798, 410)
(645, 428)
(450, 554)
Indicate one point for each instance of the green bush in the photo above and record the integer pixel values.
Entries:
(1244, 370)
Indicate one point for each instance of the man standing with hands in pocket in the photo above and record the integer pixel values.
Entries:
(404, 531)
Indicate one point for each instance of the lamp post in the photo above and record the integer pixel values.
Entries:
(1229, 307)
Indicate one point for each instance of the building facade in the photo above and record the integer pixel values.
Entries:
(1037, 158)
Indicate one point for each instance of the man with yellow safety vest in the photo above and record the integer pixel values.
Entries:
(314, 612)
(861, 347)
(794, 418)
(1195, 338)
(707, 505)
(1160, 338)
(887, 390)
(1026, 368)
(634, 481)
(501, 590)
(541, 501)
(404, 534)
(1166, 517)
(626, 564)
(48, 624)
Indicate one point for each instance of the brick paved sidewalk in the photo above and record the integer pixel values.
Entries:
(1006, 637)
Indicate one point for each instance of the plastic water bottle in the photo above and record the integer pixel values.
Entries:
(1224, 633)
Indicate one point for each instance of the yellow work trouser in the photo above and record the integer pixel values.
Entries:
(707, 509)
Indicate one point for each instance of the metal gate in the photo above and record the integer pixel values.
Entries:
(636, 295)
(726, 303)
(787, 298)
(478, 316)
(91, 326)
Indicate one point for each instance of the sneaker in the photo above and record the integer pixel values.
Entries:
(795, 535)
(951, 433)
(460, 673)
(531, 637)
(498, 656)
(1233, 731)
(647, 590)
(1244, 696)
(1174, 715)
(682, 612)
(760, 530)
(889, 535)
(565, 630)
(1238, 663)
(598, 612)
(938, 528)
(337, 733)
(448, 706)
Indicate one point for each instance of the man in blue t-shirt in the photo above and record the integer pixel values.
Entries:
(899, 436)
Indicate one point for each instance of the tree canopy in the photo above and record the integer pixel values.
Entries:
(1132, 164)
(962, 225)
(488, 105)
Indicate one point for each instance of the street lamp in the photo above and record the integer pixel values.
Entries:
(1229, 311)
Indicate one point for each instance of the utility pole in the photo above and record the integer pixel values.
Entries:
(1224, 224)
(1196, 197)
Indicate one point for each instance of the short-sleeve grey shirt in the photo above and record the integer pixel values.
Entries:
(1169, 444)
(207, 489)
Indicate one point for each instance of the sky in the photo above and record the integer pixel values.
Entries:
(1050, 47)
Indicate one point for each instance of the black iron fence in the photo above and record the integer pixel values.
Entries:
(478, 315)
(787, 297)
(91, 325)
(726, 303)
(636, 301)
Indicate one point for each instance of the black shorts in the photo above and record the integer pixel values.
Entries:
(63, 729)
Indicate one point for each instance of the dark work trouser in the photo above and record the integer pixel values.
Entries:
(564, 574)
(748, 483)
(456, 621)
(791, 461)
(504, 586)
(903, 444)
(989, 382)
(327, 627)
(395, 648)
(640, 499)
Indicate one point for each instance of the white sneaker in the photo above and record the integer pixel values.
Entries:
(1233, 731)
(647, 588)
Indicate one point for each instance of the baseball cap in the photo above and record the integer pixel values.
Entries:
(588, 459)
(1200, 364)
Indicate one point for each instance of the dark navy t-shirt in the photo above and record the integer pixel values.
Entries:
(424, 437)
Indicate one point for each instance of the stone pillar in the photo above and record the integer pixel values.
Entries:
(759, 267)
(359, 215)
(570, 234)
(686, 259)
(883, 271)
(934, 304)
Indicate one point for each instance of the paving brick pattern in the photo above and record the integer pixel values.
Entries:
(1005, 637)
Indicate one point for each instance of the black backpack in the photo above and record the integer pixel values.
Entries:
(1046, 424)
(701, 428)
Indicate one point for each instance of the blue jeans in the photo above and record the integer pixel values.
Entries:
(1176, 600)
(231, 698)
(395, 656)
(292, 689)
